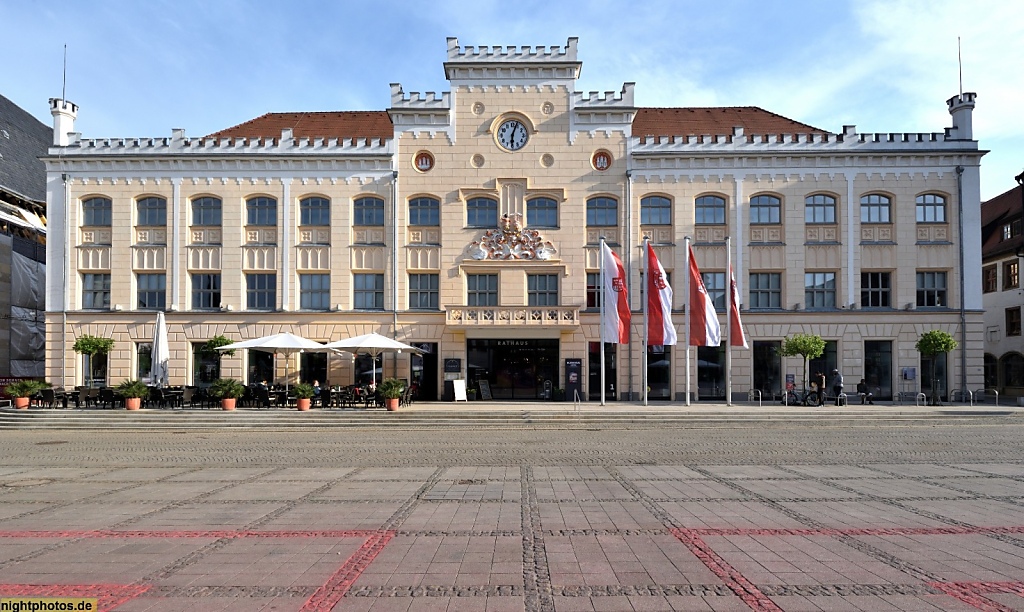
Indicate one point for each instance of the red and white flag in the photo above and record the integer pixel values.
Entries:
(705, 329)
(614, 300)
(736, 335)
(660, 330)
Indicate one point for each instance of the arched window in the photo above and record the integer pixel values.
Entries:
(315, 211)
(1013, 370)
(874, 208)
(482, 212)
(206, 211)
(931, 208)
(542, 212)
(655, 210)
(765, 210)
(368, 211)
(709, 210)
(819, 208)
(151, 211)
(602, 212)
(424, 211)
(97, 211)
(261, 210)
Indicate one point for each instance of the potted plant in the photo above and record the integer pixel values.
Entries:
(391, 389)
(132, 391)
(23, 390)
(228, 390)
(303, 392)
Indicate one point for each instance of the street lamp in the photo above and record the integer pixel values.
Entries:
(1020, 181)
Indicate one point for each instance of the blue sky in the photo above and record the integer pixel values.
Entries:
(140, 68)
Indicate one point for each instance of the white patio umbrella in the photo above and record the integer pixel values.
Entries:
(160, 354)
(372, 344)
(284, 343)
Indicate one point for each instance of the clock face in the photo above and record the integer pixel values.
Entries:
(512, 135)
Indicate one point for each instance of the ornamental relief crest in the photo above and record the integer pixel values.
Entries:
(511, 241)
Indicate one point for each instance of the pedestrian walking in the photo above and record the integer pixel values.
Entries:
(837, 384)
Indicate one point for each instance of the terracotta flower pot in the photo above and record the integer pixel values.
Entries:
(228, 403)
(132, 403)
(391, 403)
(303, 403)
(21, 403)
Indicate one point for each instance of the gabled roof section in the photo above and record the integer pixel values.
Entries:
(343, 125)
(714, 121)
(23, 140)
(996, 213)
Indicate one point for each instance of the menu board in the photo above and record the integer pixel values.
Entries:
(459, 387)
(485, 390)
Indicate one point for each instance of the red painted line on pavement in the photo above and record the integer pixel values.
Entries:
(216, 535)
(328, 595)
(737, 582)
(888, 531)
(971, 593)
(108, 596)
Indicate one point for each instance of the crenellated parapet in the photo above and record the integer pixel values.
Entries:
(604, 100)
(524, 63)
(817, 143)
(414, 100)
(179, 145)
(418, 113)
(602, 112)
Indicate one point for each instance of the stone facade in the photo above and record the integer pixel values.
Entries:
(588, 155)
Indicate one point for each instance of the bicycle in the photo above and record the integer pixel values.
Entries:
(806, 398)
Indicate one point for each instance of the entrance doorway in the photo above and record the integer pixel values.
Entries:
(424, 371)
(594, 370)
(514, 369)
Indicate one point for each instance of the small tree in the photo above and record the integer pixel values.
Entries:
(930, 344)
(93, 345)
(806, 345)
(214, 343)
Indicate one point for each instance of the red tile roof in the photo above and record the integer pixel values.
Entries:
(996, 213)
(714, 121)
(648, 122)
(337, 124)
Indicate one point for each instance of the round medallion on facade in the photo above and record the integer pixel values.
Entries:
(423, 161)
(547, 160)
(477, 161)
(478, 108)
(601, 160)
(547, 108)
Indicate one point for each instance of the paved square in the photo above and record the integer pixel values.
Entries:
(688, 519)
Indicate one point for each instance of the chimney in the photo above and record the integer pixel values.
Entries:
(64, 114)
(961, 108)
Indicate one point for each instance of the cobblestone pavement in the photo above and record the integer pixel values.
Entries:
(727, 516)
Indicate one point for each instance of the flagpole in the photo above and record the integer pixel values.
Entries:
(686, 292)
(728, 321)
(602, 296)
(645, 290)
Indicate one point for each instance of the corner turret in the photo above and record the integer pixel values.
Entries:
(64, 114)
(961, 108)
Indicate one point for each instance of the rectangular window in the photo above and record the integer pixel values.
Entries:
(482, 290)
(152, 211)
(874, 208)
(424, 211)
(989, 276)
(541, 212)
(423, 292)
(765, 209)
(143, 359)
(709, 210)
(542, 289)
(1011, 277)
(206, 211)
(820, 208)
(261, 211)
(152, 291)
(1011, 229)
(655, 210)
(315, 211)
(368, 291)
(261, 291)
(931, 289)
(602, 212)
(482, 212)
(315, 291)
(96, 291)
(875, 290)
(766, 290)
(714, 282)
(819, 290)
(593, 290)
(1013, 321)
(97, 211)
(368, 211)
(205, 291)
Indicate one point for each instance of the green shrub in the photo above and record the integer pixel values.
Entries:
(391, 388)
(26, 388)
(227, 388)
(133, 388)
(303, 390)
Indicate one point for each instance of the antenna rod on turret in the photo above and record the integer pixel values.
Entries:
(64, 85)
(960, 63)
